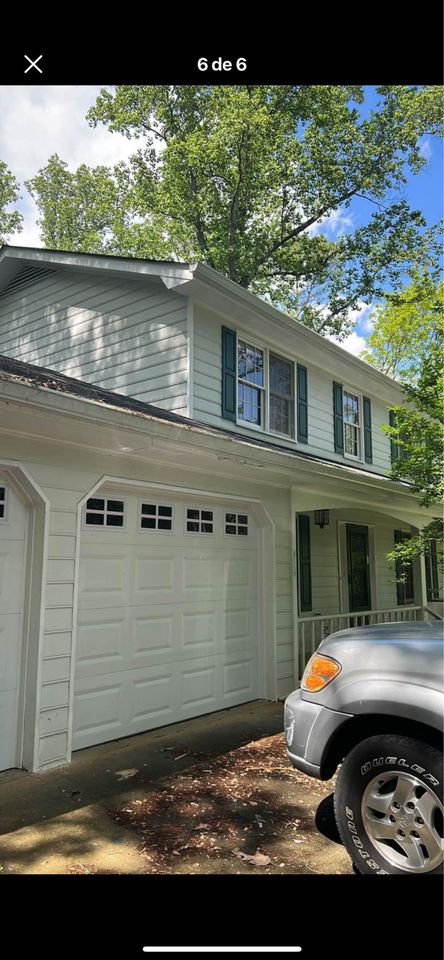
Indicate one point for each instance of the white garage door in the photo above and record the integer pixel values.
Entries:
(13, 517)
(167, 621)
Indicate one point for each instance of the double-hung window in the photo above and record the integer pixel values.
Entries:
(352, 425)
(265, 389)
(250, 384)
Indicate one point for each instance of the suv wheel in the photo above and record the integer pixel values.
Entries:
(388, 806)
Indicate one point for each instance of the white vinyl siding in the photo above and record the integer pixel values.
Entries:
(207, 386)
(127, 336)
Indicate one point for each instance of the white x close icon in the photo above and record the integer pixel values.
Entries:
(33, 63)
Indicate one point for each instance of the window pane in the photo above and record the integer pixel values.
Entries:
(281, 377)
(2, 493)
(192, 526)
(241, 359)
(148, 523)
(242, 518)
(207, 527)
(230, 529)
(351, 440)
(113, 520)
(280, 415)
(192, 514)
(230, 518)
(165, 511)
(207, 514)
(2, 510)
(249, 404)
(164, 524)
(95, 519)
(351, 408)
(149, 508)
(115, 505)
(242, 531)
(94, 504)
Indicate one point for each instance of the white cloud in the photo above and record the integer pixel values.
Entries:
(336, 223)
(426, 148)
(356, 341)
(37, 121)
(353, 343)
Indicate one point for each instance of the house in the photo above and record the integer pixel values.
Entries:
(194, 490)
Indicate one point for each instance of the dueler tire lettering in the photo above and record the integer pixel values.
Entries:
(381, 755)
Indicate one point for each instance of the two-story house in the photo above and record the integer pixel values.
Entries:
(194, 489)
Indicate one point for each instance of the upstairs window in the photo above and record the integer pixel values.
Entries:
(2, 503)
(352, 425)
(104, 513)
(250, 384)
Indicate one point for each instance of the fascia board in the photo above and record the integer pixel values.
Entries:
(113, 266)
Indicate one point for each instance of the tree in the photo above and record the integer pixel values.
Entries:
(245, 178)
(10, 220)
(418, 435)
(405, 327)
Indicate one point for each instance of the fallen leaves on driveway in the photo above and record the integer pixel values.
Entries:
(247, 805)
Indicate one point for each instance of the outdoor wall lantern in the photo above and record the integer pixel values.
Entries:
(322, 518)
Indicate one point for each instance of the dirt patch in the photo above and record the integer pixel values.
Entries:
(245, 811)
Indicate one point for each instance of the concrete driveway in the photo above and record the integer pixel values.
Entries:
(210, 795)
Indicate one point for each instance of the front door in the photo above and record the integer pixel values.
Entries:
(358, 567)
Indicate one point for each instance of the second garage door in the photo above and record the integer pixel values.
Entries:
(168, 613)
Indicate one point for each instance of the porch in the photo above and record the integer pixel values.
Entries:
(345, 580)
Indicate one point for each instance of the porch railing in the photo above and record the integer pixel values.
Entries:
(311, 630)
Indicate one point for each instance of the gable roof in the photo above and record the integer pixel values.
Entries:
(207, 285)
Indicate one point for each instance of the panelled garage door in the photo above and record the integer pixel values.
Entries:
(168, 613)
(13, 517)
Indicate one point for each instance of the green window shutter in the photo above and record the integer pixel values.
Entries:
(368, 448)
(302, 404)
(338, 415)
(394, 452)
(228, 374)
(304, 562)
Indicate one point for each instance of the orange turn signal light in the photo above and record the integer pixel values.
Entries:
(318, 672)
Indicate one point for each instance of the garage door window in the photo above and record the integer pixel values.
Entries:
(199, 521)
(104, 513)
(2, 503)
(236, 524)
(156, 516)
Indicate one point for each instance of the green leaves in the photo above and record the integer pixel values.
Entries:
(10, 220)
(249, 179)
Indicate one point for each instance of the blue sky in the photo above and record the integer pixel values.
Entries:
(36, 121)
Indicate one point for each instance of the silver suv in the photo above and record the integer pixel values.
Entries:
(371, 700)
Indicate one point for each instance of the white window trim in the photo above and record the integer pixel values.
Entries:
(5, 517)
(235, 536)
(157, 503)
(89, 527)
(360, 426)
(198, 533)
(265, 427)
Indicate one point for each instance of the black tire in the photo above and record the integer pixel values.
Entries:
(373, 775)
